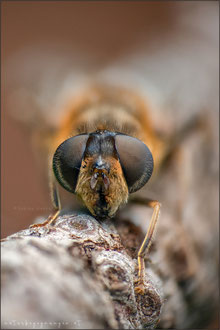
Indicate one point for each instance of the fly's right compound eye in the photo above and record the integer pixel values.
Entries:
(136, 161)
(67, 161)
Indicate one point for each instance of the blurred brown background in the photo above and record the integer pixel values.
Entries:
(106, 32)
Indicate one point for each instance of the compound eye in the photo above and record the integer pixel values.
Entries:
(67, 161)
(136, 161)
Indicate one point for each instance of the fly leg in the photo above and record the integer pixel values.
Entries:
(56, 204)
(139, 285)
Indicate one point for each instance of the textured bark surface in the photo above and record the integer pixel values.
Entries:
(76, 274)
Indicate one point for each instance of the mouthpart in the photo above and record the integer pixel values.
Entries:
(99, 180)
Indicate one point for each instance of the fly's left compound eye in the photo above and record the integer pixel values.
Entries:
(67, 161)
(136, 161)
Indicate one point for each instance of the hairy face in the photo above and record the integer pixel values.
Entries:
(102, 188)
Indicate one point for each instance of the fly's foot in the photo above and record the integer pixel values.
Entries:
(139, 287)
(48, 221)
(38, 225)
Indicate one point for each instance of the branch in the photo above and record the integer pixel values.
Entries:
(75, 274)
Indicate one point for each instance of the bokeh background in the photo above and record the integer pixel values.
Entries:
(171, 49)
(167, 51)
(102, 33)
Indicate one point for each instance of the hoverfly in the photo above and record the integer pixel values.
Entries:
(104, 151)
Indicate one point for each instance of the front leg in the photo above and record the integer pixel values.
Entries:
(139, 287)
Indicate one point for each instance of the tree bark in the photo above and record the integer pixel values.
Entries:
(75, 274)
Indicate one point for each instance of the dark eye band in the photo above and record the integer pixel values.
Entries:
(135, 158)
